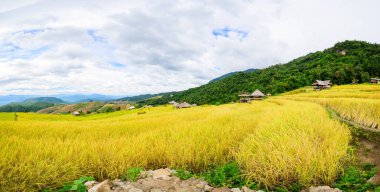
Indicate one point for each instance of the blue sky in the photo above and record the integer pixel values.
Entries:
(138, 47)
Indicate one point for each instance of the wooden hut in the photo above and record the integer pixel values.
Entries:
(375, 80)
(319, 85)
(257, 95)
(245, 97)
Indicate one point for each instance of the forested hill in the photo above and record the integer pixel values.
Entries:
(345, 62)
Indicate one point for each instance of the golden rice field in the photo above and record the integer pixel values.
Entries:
(358, 103)
(276, 142)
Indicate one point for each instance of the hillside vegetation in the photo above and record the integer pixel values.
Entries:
(291, 142)
(344, 63)
(31, 105)
(85, 108)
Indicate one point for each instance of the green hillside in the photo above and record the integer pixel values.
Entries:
(31, 105)
(344, 63)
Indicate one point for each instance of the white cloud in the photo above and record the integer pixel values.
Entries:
(127, 48)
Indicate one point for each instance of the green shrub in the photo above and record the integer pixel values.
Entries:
(77, 185)
(183, 174)
(132, 174)
(355, 179)
(228, 175)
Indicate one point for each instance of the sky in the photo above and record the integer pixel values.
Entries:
(127, 47)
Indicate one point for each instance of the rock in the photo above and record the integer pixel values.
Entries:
(101, 187)
(135, 190)
(149, 173)
(162, 174)
(173, 172)
(323, 189)
(374, 180)
(175, 180)
(235, 190)
(118, 182)
(246, 189)
(127, 186)
(208, 188)
(222, 189)
(143, 174)
(199, 186)
(90, 184)
(155, 190)
(150, 183)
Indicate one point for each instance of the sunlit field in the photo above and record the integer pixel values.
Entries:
(358, 103)
(276, 142)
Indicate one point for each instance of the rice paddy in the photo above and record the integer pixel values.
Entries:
(358, 103)
(276, 142)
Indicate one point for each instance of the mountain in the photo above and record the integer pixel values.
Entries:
(5, 99)
(75, 98)
(31, 104)
(70, 98)
(53, 100)
(343, 63)
(232, 73)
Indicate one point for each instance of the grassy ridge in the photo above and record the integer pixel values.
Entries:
(40, 151)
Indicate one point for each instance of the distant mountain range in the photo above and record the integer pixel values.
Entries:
(64, 98)
(31, 105)
(53, 100)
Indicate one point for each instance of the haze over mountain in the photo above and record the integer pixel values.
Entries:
(66, 98)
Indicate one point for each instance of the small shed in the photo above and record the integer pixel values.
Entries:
(375, 80)
(257, 95)
(318, 84)
(245, 97)
(76, 113)
(172, 102)
(131, 107)
(183, 105)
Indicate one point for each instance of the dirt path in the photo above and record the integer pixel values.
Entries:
(369, 147)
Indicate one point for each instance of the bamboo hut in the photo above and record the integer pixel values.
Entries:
(319, 85)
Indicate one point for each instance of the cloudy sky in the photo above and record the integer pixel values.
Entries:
(126, 47)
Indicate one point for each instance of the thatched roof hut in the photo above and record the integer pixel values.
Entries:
(257, 94)
(318, 84)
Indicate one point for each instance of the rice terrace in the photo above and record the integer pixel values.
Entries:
(276, 142)
(189, 96)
